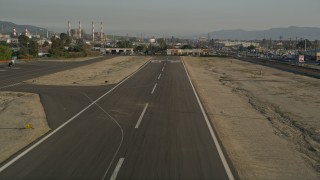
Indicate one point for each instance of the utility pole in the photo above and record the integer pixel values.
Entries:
(305, 45)
(290, 45)
(316, 48)
(69, 30)
(92, 31)
(209, 41)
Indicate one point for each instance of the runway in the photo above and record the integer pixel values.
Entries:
(149, 126)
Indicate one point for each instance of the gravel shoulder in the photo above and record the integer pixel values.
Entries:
(18, 109)
(110, 71)
(267, 119)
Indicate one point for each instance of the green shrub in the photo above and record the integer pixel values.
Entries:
(5, 53)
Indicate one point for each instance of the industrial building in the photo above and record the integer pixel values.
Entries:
(228, 43)
(187, 52)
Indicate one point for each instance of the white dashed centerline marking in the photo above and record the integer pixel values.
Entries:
(159, 76)
(154, 88)
(141, 116)
(117, 169)
(162, 69)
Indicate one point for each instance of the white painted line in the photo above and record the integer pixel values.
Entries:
(117, 169)
(162, 69)
(159, 76)
(215, 140)
(154, 88)
(11, 85)
(122, 136)
(23, 153)
(165, 64)
(141, 116)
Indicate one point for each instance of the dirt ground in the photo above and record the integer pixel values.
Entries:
(18, 109)
(110, 71)
(267, 119)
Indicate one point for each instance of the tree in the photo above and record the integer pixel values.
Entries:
(211, 43)
(251, 47)
(65, 38)
(57, 46)
(81, 46)
(3, 43)
(33, 48)
(264, 43)
(140, 48)
(162, 44)
(187, 47)
(23, 40)
(124, 44)
(23, 52)
(301, 44)
(45, 44)
(5, 53)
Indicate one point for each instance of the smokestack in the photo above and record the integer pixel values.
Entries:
(92, 31)
(101, 31)
(26, 31)
(14, 31)
(69, 30)
(79, 30)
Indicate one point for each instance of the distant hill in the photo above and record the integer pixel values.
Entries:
(6, 28)
(293, 32)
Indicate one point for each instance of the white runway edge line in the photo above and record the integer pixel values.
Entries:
(223, 159)
(154, 88)
(141, 116)
(159, 76)
(23, 153)
(117, 169)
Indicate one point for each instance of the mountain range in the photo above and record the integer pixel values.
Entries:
(292, 32)
(7, 28)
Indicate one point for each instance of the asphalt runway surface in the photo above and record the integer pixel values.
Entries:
(149, 126)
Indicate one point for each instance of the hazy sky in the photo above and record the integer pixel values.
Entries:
(157, 17)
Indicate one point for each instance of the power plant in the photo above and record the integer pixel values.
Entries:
(79, 32)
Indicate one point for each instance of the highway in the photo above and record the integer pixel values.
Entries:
(149, 126)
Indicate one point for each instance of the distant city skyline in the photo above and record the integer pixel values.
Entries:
(158, 18)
